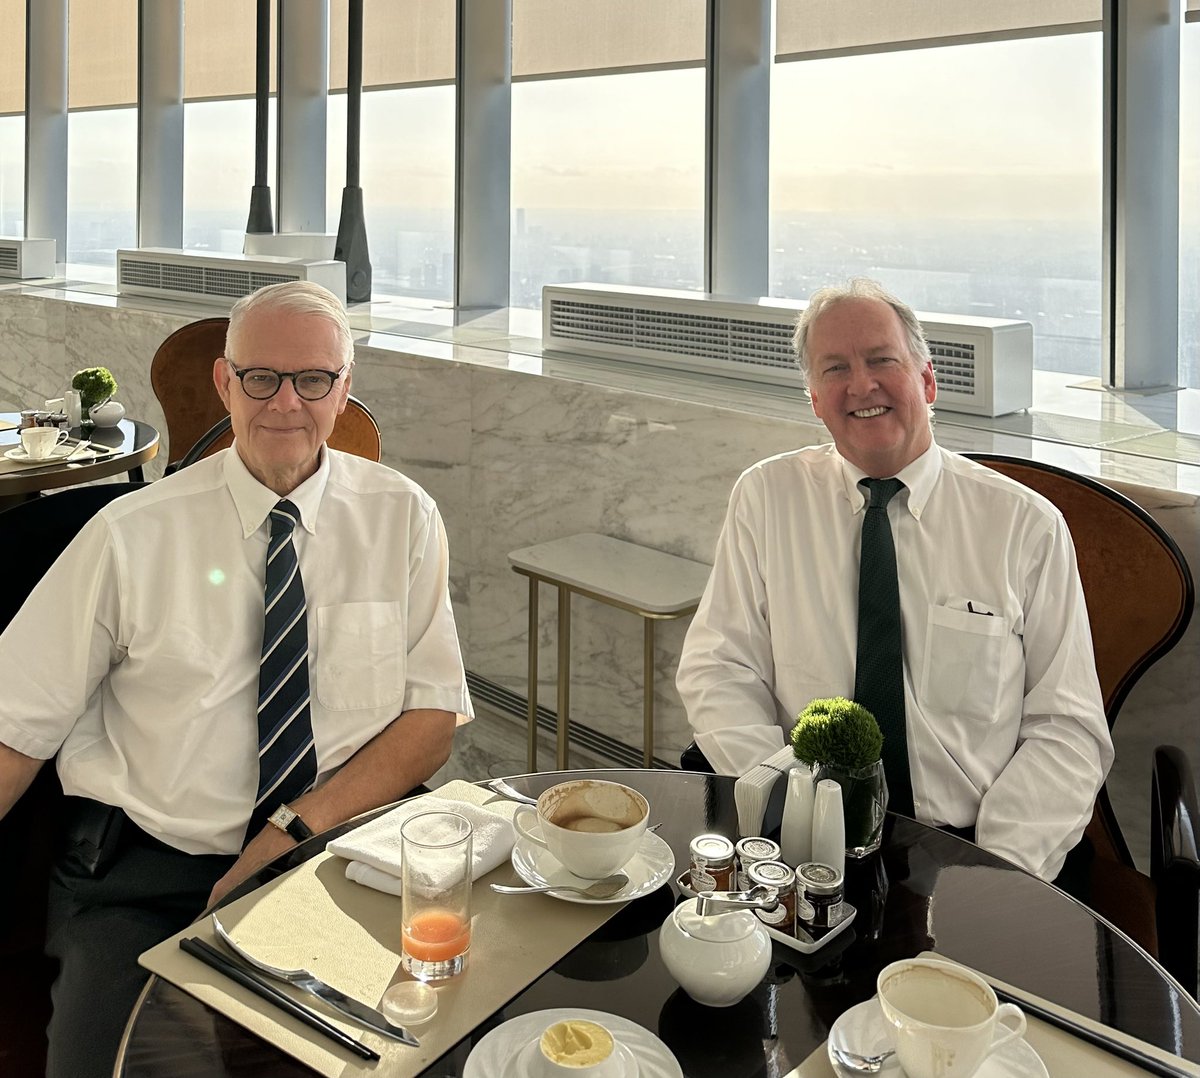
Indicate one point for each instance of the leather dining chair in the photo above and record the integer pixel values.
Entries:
(1140, 595)
(354, 432)
(32, 535)
(181, 376)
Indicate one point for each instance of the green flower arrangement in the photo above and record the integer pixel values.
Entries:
(95, 385)
(837, 732)
(842, 741)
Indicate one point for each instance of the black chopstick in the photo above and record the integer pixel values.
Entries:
(1111, 1045)
(250, 980)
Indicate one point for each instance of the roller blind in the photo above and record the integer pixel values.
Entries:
(403, 43)
(555, 37)
(1193, 11)
(12, 56)
(822, 27)
(218, 48)
(101, 53)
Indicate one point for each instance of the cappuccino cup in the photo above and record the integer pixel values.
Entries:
(591, 826)
(39, 442)
(943, 1020)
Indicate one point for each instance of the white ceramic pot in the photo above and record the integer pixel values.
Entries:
(108, 414)
(717, 960)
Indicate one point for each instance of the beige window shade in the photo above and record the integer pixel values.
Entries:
(218, 48)
(824, 27)
(101, 53)
(555, 37)
(1193, 11)
(403, 43)
(12, 57)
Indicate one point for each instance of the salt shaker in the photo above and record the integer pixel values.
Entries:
(73, 406)
(829, 826)
(796, 831)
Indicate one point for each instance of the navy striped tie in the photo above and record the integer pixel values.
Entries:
(879, 670)
(287, 758)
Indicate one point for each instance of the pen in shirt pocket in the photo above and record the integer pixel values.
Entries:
(971, 610)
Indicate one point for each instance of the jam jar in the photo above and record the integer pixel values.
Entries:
(712, 863)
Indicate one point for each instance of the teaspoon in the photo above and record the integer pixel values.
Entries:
(858, 1063)
(604, 888)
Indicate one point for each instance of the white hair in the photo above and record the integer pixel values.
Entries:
(293, 297)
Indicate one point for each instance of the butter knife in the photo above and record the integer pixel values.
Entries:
(313, 985)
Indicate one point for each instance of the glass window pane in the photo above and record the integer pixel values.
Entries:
(218, 171)
(965, 178)
(1189, 206)
(101, 186)
(12, 176)
(608, 181)
(407, 175)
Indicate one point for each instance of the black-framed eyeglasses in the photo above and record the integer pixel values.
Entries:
(262, 383)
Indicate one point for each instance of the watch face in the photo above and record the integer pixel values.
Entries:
(282, 816)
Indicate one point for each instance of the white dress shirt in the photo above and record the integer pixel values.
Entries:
(136, 657)
(1006, 725)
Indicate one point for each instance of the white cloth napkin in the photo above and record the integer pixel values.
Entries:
(373, 850)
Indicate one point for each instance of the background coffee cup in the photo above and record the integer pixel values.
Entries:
(39, 442)
(593, 827)
(943, 1018)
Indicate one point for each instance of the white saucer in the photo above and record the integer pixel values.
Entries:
(647, 870)
(504, 1052)
(861, 1029)
(19, 456)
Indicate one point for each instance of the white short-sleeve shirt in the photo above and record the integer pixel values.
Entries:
(136, 658)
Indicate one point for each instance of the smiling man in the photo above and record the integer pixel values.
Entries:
(260, 646)
(971, 647)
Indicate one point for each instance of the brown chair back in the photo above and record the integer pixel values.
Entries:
(354, 432)
(181, 376)
(1138, 588)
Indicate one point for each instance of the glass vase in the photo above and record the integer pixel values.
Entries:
(864, 801)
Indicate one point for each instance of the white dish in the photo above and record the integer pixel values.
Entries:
(504, 1052)
(647, 870)
(19, 456)
(861, 1029)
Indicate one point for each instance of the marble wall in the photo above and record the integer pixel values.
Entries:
(514, 457)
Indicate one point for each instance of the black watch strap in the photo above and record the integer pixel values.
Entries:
(287, 819)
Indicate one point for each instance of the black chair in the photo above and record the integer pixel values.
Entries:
(354, 432)
(32, 535)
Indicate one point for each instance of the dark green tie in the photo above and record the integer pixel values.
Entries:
(879, 668)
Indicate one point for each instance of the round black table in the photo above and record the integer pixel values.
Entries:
(927, 890)
(132, 441)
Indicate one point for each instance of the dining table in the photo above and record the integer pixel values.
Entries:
(114, 450)
(925, 890)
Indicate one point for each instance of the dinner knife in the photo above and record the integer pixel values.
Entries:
(308, 982)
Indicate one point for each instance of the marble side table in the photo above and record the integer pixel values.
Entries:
(654, 585)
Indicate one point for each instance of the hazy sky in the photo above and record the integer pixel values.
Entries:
(998, 129)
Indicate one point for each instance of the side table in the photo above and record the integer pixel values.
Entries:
(654, 585)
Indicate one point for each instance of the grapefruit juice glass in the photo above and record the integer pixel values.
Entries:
(435, 894)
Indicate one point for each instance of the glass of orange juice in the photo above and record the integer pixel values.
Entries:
(435, 894)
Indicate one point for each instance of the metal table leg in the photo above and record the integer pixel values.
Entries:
(564, 673)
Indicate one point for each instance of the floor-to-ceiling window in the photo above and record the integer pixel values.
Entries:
(101, 133)
(406, 166)
(964, 176)
(219, 121)
(12, 119)
(607, 144)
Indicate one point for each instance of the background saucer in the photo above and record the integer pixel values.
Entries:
(491, 1057)
(647, 870)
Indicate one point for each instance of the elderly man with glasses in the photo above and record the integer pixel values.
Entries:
(259, 647)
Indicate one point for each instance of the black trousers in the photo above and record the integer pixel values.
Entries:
(114, 893)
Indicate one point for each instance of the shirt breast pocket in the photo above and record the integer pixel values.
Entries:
(360, 656)
(964, 664)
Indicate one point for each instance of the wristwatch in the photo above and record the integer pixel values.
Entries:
(288, 820)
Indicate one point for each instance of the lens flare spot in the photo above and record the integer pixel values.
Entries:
(216, 577)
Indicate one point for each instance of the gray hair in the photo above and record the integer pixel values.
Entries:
(857, 288)
(292, 297)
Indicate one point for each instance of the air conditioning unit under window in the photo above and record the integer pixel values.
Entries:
(26, 257)
(218, 278)
(984, 365)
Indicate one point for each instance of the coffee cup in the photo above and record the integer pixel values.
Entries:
(593, 827)
(943, 1019)
(39, 442)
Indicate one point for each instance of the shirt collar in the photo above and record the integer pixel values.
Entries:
(918, 478)
(254, 502)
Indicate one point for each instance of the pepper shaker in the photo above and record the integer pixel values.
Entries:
(829, 826)
(796, 831)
